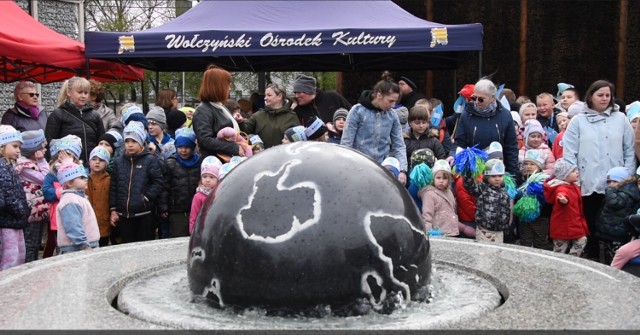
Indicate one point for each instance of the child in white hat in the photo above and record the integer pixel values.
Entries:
(209, 179)
(532, 214)
(15, 210)
(393, 165)
(98, 190)
(438, 203)
(77, 224)
(63, 150)
(493, 206)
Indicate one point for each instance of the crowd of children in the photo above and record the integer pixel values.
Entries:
(540, 207)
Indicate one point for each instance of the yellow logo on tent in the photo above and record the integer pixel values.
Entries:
(126, 44)
(439, 36)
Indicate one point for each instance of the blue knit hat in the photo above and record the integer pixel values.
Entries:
(563, 87)
(618, 173)
(69, 172)
(101, 153)
(185, 137)
(633, 110)
(71, 144)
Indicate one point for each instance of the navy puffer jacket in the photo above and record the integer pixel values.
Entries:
(136, 184)
(619, 202)
(14, 209)
(498, 126)
(182, 183)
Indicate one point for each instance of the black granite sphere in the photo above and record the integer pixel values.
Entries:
(307, 224)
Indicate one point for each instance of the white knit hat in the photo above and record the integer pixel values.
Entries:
(9, 134)
(494, 150)
(516, 118)
(494, 167)
(535, 156)
(440, 165)
(210, 165)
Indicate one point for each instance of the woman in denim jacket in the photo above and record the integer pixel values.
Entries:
(373, 127)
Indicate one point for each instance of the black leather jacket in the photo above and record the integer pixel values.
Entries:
(206, 122)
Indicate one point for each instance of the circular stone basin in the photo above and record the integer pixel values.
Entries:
(163, 298)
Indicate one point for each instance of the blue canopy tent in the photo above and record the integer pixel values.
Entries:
(310, 35)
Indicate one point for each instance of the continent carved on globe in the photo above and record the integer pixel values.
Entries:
(308, 224)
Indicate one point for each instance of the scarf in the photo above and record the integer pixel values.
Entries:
(204, 190)
(188, 163)
(488, 111)
(34, 111)
(226, 113)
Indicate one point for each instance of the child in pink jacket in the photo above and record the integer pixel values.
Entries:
(438, 203)
(209, 174)
(534, 138)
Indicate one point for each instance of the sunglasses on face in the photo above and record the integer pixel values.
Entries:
(32, 94)
(474, 98)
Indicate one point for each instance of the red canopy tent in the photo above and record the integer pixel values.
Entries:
(31, 51)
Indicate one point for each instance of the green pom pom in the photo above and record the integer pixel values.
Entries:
(527, 208)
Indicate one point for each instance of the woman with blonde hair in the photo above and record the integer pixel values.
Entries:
(211, 115)
(74, 116)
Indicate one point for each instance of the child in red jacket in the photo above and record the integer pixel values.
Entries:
(568, 228)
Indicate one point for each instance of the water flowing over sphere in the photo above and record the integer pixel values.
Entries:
(308, 224)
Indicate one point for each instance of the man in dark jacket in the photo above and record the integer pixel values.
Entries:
(408, 91)
(314, 102)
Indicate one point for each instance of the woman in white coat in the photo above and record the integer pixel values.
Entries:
(597, 140)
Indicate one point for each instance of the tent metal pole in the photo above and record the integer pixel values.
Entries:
(88, 74)
(262, 81)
